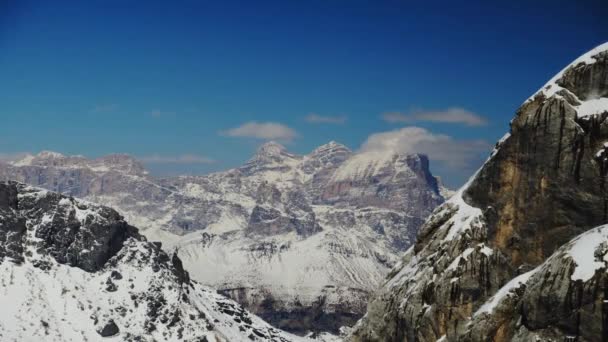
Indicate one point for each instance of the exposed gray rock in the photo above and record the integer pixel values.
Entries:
(77, 234)
(109, 329)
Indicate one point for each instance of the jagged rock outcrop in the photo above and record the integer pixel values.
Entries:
(268, 234)
(75, 271)
(489, 265)
(77, 234)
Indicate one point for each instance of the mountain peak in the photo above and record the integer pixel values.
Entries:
(270, 156)
(581, 83)
(332, 145)
(50, 155)
(271, 148)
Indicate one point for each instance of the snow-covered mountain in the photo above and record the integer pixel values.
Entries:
(520, 253)
(301, 241)
(71, 270)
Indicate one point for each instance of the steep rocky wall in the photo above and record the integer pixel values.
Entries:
(543, 186)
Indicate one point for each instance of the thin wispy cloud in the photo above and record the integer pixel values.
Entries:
(454, 115)
(179, 159)
(157, 113)
(105, 108)
(263, 131)
(321, 119)
(458, 154)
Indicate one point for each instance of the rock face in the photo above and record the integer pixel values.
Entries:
(300, 240)
(515, 255)
(110, 329)
(388, 181)
(74, 271)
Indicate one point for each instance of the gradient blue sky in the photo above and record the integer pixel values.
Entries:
(167, 82)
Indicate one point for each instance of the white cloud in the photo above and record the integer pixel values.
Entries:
(453, 115)
(319, 119)
(441, 148)
(180, 159)
(262, 130)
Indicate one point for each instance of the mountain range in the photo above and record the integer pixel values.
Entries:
(302, 241)
(71, 270)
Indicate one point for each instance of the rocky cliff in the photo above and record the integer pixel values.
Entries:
(515, 255)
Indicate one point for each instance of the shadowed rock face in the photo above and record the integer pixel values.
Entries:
(74, 234)
(498, 261)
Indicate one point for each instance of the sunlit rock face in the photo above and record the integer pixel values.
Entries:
(301, 240)
(519, 253)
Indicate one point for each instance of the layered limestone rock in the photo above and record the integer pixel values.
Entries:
(388, 181)
(487, 265)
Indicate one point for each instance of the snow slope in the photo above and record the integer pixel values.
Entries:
(50, 290)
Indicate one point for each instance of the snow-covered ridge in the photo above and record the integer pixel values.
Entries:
(551, 87)
(363, 165)
(505, 291)
(137, 292)
(114, 162)
(594, 104)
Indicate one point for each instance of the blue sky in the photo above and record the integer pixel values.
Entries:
(183, 83)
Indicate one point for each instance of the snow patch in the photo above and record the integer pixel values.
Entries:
(505, 291)
(582, 251)
(551, 87)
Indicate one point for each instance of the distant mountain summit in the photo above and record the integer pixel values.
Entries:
(519, 253)
(114, 162)
(301, 240)
(270, 156)
(383, 180)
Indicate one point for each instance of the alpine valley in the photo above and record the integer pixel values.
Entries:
(301, 241)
